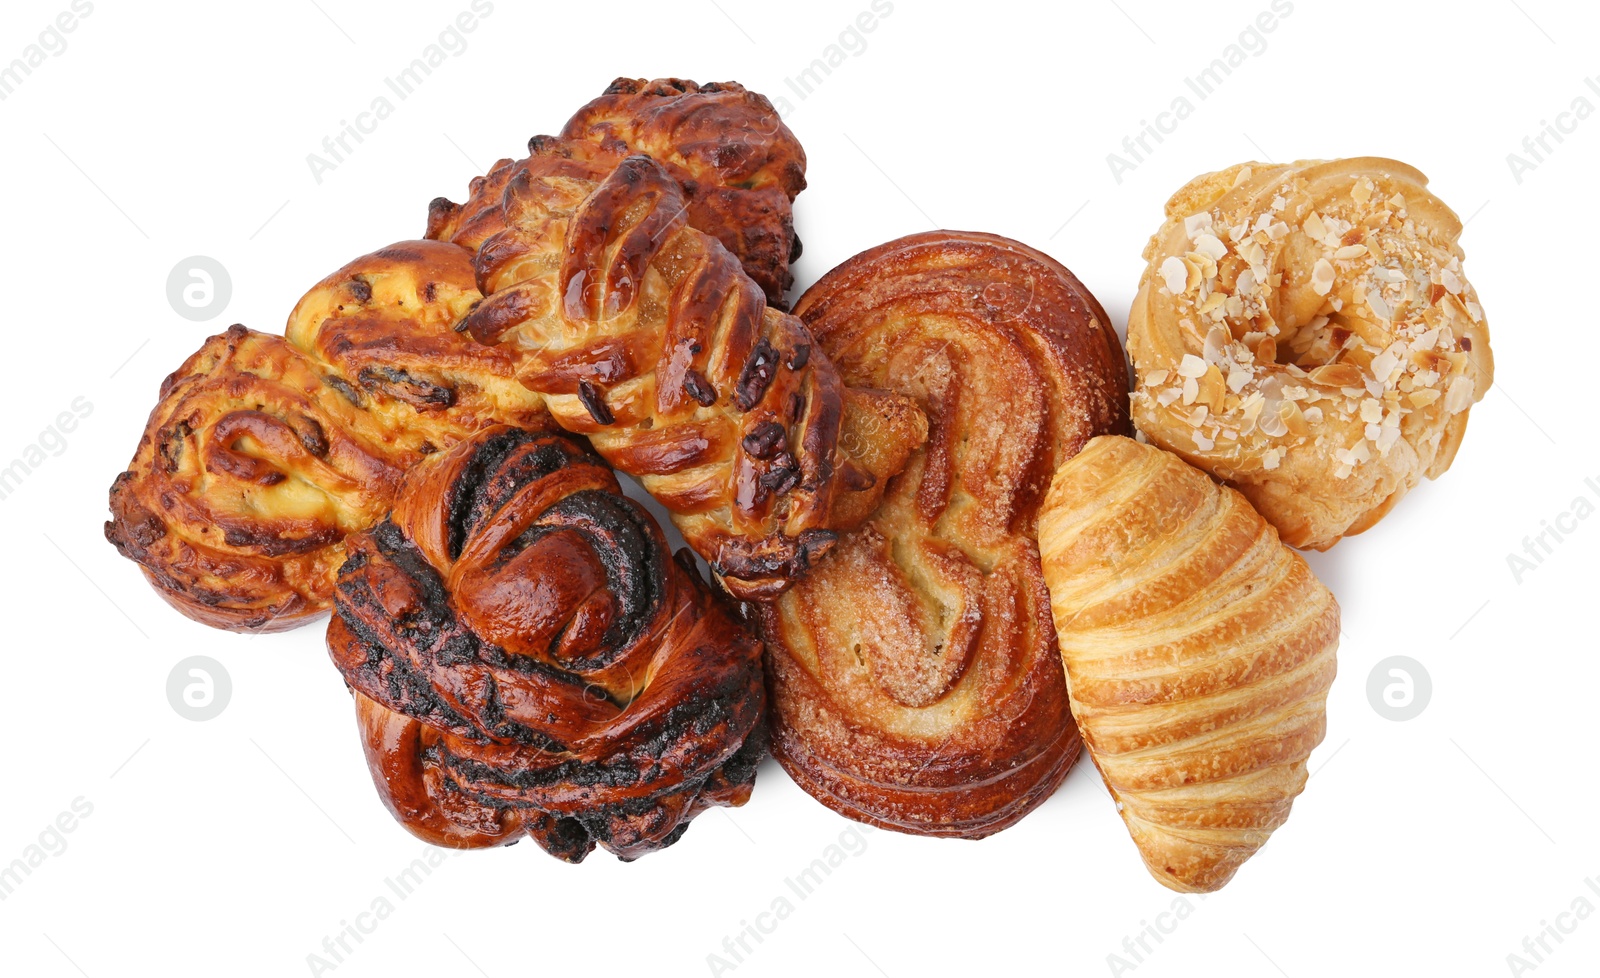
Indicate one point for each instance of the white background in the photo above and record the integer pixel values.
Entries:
(234, 846)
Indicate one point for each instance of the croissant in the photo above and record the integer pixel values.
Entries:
(738, 164)
(264, 452)
(914, 676)
(1199, 651)
(1307, 332)
(646, 336)
(528, 660)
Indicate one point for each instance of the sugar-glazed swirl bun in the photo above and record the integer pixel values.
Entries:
(646, 336)
(264, 452)
(1306, 332)
(914, 673)
(528, 658)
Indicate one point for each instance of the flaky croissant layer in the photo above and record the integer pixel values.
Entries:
(1199, 650)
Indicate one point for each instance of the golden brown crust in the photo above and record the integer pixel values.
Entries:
(645, 335)
(251, 555)
(264, 451)
(1199, 651)
(1274, 298)
(738, 164)
(529, 659)
(914, 674)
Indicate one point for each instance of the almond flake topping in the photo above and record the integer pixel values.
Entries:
(1341, 375)
(1386, 440)
(1322, 276)
(1175, 275)
(1379, 307)
(1211, 246)
(1383, 366)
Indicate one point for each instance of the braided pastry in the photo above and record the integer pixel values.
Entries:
(1199, 651)
(264, 451)
(739, 166)
(914, 674)
(645, 335)
(1306, 333)
(527, 658)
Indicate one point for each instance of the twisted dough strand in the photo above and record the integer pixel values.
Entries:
(265, 451)
(739, 166)
(529, 659)
(644, 335)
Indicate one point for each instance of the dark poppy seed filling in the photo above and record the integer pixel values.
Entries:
(643, 708)
(635, 565)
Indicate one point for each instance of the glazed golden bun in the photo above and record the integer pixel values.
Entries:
(265, 451)
(646, 336)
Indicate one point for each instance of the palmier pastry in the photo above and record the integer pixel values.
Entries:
(914, 676)
(528, 659)
(645, 335)
(738, 164)
(1306, 333)
(263, 453)
(1199, 651)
